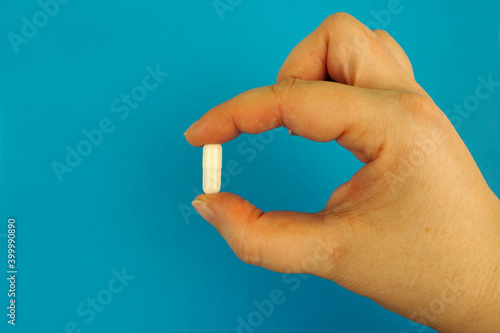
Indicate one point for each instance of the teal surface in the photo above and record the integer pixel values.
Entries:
(94, 99)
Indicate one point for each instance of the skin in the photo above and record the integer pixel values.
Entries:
(416, 229)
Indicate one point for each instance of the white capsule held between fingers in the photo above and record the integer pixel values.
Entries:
(212, 168)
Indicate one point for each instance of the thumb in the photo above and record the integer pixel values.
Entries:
(288, 242)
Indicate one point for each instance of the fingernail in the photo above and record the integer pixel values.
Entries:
(290, 132)
(189, 128)
(204, 210)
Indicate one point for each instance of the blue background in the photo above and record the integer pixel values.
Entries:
(121, 207)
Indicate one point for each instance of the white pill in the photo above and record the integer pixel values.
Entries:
(212, 167)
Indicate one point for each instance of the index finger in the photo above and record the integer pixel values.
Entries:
(315, 110)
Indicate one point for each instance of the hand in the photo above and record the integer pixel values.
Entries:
(416, 229)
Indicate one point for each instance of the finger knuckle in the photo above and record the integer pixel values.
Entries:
(285, 93)
(284, 88)
(423, 133)
(338, 18)
(422, 108)
(348, 36)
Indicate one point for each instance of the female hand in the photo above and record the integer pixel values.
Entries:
(416, 229)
